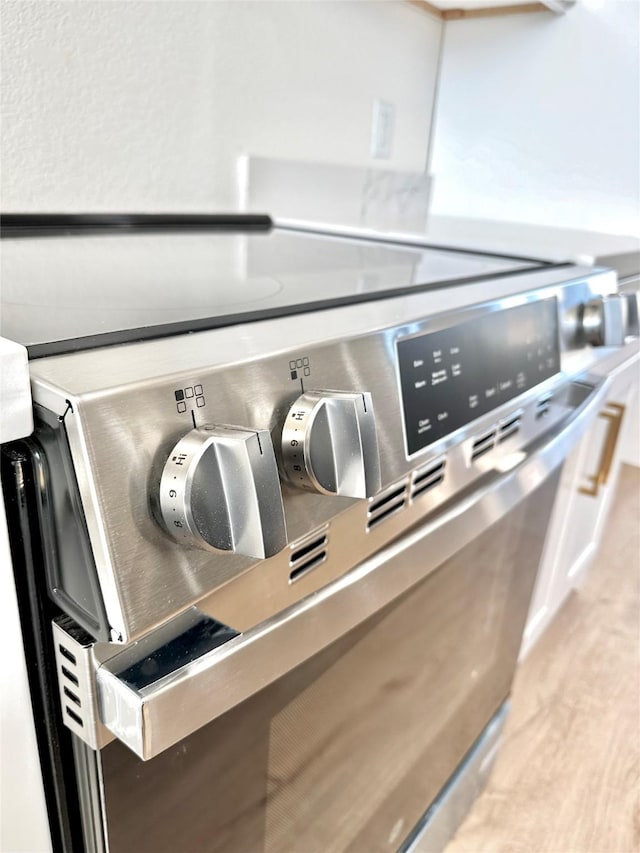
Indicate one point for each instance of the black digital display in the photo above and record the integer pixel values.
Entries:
(449, 378)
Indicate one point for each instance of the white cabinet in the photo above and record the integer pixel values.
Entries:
(584, 497)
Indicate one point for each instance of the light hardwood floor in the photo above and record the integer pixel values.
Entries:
(567, 779)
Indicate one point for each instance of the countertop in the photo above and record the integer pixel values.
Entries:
(620, 252)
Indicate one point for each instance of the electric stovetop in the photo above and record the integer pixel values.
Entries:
(73, 288)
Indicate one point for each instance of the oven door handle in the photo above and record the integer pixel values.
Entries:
(150, 717)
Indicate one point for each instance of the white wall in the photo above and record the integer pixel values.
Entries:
(126, 105)
(146, 105)
(539, 118)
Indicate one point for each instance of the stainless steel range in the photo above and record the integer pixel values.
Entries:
(278, 524)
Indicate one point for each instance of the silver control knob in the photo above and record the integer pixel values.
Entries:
(604, 321)
(220, 490)
(329, 444)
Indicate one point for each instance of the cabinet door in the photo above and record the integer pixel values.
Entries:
(580, 510)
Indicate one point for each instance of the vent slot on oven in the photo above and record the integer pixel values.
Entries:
(510, 426)
(75, 668)
(308, 555)
(428, 477)
(543, 405)
(387, 504)
(70, 684)
(483, 444)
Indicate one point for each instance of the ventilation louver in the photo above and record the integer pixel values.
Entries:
(543, 405)
(308, 555)
(483, 444)
(428, 477)
(69, 682)
(387, 504)
(509, 426)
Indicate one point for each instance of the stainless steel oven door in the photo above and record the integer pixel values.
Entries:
(345, 749)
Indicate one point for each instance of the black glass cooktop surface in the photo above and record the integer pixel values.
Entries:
(74, 291)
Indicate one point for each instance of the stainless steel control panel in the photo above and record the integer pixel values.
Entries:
(253, 497)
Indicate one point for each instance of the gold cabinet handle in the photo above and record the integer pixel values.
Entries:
(608, 450)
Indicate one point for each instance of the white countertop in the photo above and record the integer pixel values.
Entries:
(539, 241)
(512, 238)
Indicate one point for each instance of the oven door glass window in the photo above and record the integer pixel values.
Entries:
(347, 751)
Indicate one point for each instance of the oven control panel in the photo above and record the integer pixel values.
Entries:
(455, 375)
(345, 435)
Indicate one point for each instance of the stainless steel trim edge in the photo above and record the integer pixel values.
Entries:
(88, 485)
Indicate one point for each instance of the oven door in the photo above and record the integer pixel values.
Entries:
(337, 723)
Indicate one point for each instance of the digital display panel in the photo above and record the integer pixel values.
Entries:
(449, 378)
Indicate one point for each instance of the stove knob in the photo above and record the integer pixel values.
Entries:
(220, 490)
(604, 321)
(329, 444)
(632, 298)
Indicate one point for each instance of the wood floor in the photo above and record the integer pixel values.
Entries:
(567, 779)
